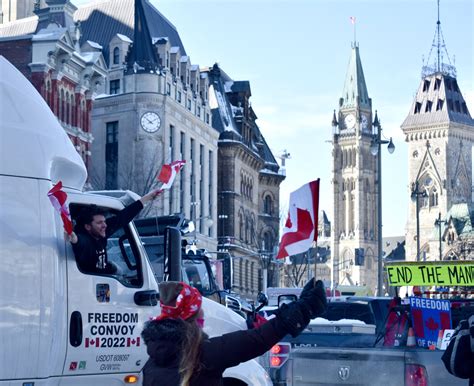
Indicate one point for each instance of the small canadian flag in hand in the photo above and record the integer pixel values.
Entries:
(169, 172)
(58, 199)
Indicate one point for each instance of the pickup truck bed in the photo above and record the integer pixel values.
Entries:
(364, 366)
(332, 354)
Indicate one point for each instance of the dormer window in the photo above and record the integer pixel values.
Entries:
(116, 59)
(439, 105)
(457, 106)
(464, 108)
(417, 107)
(437, 84)
(426, 85)
(429, 104)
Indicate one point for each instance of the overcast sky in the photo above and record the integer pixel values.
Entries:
(295, 54)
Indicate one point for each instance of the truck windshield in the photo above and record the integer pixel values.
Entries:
(197, 275)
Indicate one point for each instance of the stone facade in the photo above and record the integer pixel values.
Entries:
(66, 74)
(248, 185)
(355, 187)
(155, 111)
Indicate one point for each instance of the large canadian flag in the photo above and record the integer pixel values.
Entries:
(169, 172)
(301, 227)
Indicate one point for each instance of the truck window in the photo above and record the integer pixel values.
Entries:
(197, 275)
(122, 254)
(154, 247)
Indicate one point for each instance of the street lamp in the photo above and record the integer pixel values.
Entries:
(375, 149)
(438, 223)
(415, 194)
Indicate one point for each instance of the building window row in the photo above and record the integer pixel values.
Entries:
(246, 186)
(247, 227)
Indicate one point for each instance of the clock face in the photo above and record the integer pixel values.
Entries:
(365, 121)
(350, 121)
(150, 122)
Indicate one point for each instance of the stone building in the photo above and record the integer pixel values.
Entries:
(439, 131)
(355, 187)
(68, 73)
(155, 110)
(248, 185)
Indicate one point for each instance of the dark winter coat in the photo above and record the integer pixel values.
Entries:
(91, 253)
(163, 339)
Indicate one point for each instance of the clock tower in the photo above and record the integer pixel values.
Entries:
(354, 183)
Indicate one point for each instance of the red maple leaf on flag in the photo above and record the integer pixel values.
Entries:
(431, 324)
(169, 172)
(301, 225)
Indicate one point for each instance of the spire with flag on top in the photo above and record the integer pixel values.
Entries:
(353, 22)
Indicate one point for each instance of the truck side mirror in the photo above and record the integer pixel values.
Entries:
(146, 298)
(173, 254)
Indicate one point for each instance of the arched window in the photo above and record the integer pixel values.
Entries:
(61, 106)
(73, 110)
(246, 231)
(247, 274)
(434, 197)
(268, 205)
(425, 200)
(68, 109)
(116, 55)
(241, 226)
(252, 269)
(252, 230)
(267, 242)
(241, 273)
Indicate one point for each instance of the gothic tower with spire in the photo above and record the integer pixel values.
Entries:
(354, 182)
(440, 132)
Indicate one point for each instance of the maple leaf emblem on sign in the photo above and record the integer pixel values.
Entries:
(431, 324)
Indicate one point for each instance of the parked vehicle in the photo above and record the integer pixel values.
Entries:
(58, 325)
(351, 352)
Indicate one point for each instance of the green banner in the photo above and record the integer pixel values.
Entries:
(438, 273)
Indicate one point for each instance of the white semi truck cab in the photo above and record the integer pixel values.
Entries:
(59, 325)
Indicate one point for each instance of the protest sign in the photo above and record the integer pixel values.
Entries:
(436, 273)
(429, 316)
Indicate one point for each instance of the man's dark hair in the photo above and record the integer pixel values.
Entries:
(86, 216)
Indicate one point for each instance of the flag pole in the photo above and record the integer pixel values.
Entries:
(315, 245)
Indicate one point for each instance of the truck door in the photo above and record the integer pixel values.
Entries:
(104, 316)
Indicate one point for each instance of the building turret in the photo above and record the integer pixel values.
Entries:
(439, 131)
